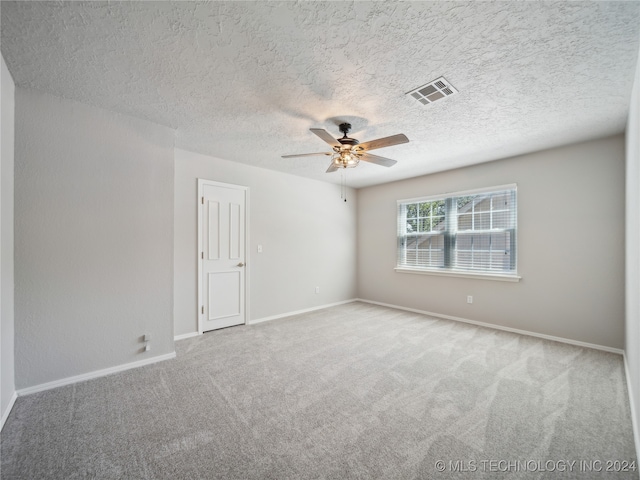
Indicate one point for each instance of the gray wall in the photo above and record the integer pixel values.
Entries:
(7, 382)
(307, 232)
(570, 245)
(632, 337)
(93, 238)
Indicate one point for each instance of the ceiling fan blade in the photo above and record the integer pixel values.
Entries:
(385, 162)
(306, 155)
(384, 142)
(332, 168)
(326, 136)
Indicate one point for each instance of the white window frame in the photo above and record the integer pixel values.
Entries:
(509, 276)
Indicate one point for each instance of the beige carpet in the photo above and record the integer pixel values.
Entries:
(351, 392)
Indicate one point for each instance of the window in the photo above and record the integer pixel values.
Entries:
(466, 233)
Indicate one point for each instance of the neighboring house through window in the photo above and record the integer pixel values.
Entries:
(471, 232)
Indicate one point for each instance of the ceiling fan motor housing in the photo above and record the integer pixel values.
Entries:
(344, 128)
(348, 141)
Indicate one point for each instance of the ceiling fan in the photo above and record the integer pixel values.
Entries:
(347, 152)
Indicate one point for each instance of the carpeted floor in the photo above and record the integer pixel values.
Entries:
(354, 391)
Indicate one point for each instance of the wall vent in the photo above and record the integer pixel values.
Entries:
(432, 91)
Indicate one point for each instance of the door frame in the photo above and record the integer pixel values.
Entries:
(201, 184)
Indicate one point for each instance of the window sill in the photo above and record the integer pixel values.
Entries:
(452, 273)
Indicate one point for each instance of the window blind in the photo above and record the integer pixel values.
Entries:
(466, 231)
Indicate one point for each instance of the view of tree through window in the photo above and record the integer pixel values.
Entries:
(469, 232)
(425, 216)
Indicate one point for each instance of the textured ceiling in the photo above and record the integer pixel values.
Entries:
(245, 81)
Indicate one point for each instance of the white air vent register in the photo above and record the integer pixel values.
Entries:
(432, 91)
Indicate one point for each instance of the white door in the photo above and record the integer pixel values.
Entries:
(222, 255)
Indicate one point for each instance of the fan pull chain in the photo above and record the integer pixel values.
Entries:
(343, 184)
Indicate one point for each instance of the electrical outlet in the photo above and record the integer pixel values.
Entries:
(317, 289)
(469, 299)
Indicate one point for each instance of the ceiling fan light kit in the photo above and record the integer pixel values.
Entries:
(347, 152)
(346, 155)
(345, 159)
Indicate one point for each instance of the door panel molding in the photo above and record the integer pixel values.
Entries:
(213, 252)
(235, 231)
(229, 303)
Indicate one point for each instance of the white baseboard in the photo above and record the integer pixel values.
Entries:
(632, 407)
(500, 327)
(95, 374)
(185, 335)
(297, 312)
(273, 317)
(7, 411)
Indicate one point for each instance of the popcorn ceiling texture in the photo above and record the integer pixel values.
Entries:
(244, 81)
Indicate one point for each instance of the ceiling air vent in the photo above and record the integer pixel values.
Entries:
(432, 91)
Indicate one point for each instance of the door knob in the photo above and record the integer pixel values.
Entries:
(240, 264)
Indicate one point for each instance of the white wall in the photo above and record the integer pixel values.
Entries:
(7, 381)
(93, 238)
(570, 245)
(307, 232)
(632, 337)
